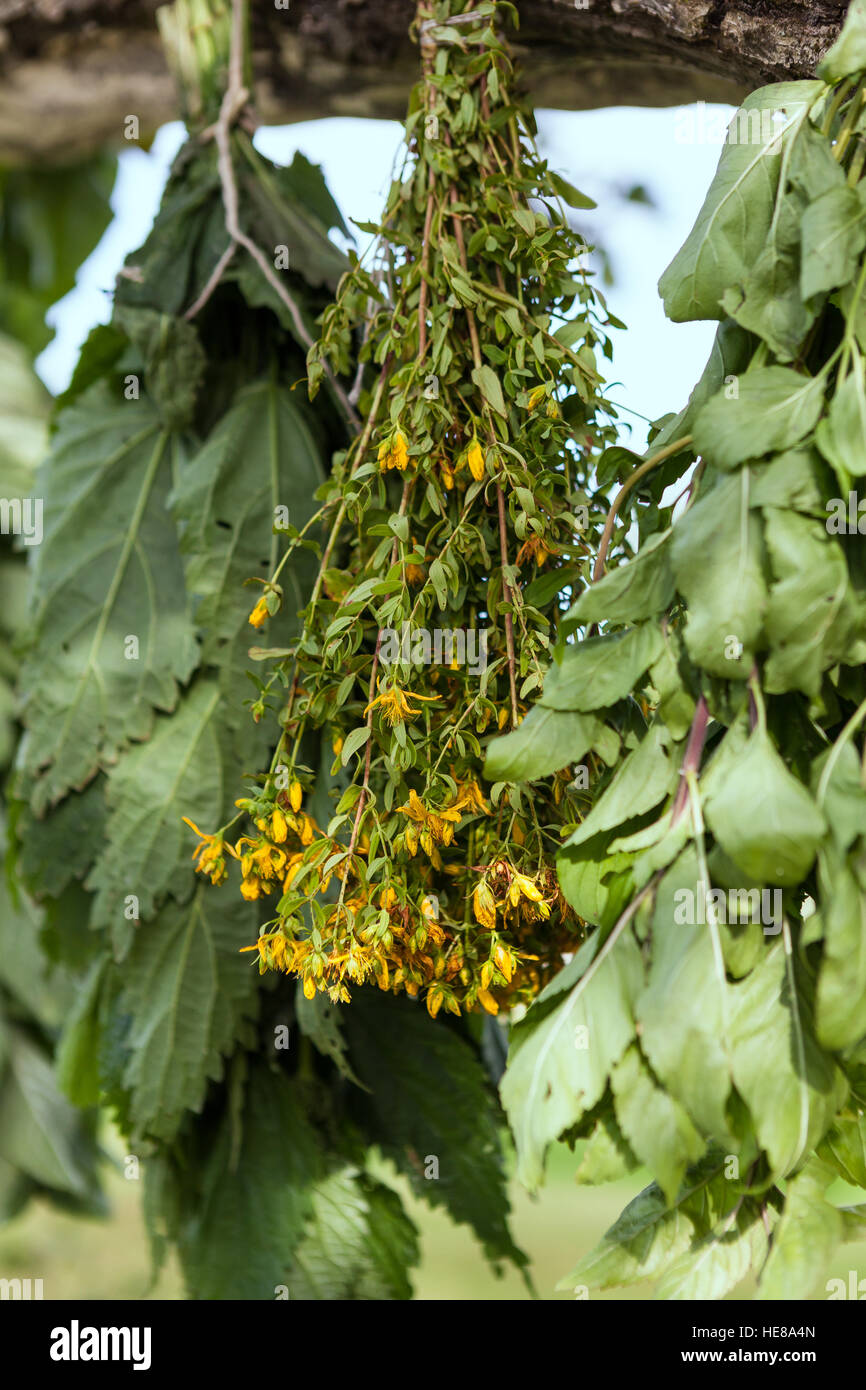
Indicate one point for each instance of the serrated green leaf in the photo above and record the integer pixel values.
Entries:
(108, 569)
(260, 456)
(427, 1097)
(187, 992)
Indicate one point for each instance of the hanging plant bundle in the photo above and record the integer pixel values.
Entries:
(461, 511)
(713, 1026)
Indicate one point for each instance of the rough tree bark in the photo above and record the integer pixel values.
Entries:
(70, 70)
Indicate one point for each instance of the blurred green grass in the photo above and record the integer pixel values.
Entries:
(109, 1259)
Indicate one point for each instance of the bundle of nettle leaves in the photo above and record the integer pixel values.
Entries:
(695, 746)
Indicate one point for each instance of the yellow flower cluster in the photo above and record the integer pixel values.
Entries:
(394, 452)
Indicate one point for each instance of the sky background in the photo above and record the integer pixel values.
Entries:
(604, 152)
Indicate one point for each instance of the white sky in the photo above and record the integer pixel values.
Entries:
(656, 362)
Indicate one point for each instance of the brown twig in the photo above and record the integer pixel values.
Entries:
(626, 488)
(233, 102)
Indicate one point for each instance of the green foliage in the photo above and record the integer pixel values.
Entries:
(179, 454)
(710, 1027)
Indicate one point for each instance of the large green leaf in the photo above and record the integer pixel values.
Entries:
(108, 571)
(650, 1236)
(559, 1066)
(773, 408)
(719, 571)
(833, 235)
(547, 740)
(809, 1230)
(239, 1204)
(426, 1097)
(654, 1123)
(601, 670)
(732, 226)
(763, 817)
(186, 769)
(359, 1243)
(40, 1132)
(792, 1088)
(188, 993)
(260, 456)
(684, 1010)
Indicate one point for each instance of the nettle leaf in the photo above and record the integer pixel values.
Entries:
(259, 457)
(792, 1088)
(683, 1011)
(188, 993)
(833, 236)
(808, 1232)
(244, 1184)
(426, 1093)
(732, 226)
(359, 1243)
(646, 776)
(811, 614)
(763, 817)
(108, 571)
(774, 407)
(719, 571)
(561, 1058)
(654, 1123)
(598, 671)
(848, 53)
(180, 772)
(546, 740)
(174, 361)
(841, 435)
(637, 589)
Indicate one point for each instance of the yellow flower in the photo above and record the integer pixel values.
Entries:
(209, 853)
(279, 829)
(395, 704)
(259, 613)
(486, 1000)
(472, 797)
(251, 889)
(484, 906)
(393, 452)
(536, 397)
(475, 459)
(296, 795)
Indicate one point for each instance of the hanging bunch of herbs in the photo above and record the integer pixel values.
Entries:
(460, 512)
